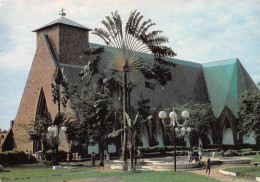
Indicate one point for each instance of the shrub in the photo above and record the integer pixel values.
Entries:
(61, 156)
(238, 146)
(1, 168)
(15, 157)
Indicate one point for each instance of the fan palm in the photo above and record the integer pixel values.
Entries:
(126, 51)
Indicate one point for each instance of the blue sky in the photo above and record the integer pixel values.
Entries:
(198, 30)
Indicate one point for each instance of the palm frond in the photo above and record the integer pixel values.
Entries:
(162, 51)
(118, 23)
(115, 133)
(91, 68)
(129, 121)
(136, 118)
(103, 35)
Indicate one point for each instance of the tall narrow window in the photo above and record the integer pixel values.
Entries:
(42, 106)
(41, 110)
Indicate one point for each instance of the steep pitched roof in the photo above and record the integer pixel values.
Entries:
(225, 80)
(64, 21)
(222, 83)
(151, 57)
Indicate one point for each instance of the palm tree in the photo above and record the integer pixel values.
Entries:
(125, 53)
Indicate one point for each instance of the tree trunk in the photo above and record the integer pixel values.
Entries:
(131, 156)
(124, 119)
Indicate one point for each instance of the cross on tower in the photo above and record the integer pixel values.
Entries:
(62, 12)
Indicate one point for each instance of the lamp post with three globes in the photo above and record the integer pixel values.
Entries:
(175, 124)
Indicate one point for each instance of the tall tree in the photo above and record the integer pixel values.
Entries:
(201, 120)
(60, 95)
(59, 86)
(248, 113)
(94, 114)
(123, 54)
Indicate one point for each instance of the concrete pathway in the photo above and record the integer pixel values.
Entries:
(214, 173)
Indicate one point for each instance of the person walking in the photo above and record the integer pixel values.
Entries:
(93, 158)
(101, 164)
(107, 157)
(207, 166)
(200, 151)
(190, 155)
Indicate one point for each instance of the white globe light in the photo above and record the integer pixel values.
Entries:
(183, 129)
(177, 129)
(189, 129)
(173, 115)
(162, 115)
(50, 129)
(63, 129)
(55, 128)
(185, 114)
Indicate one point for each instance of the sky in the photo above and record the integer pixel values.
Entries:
(198, 30)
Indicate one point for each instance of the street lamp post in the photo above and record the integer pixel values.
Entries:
(173, 122)
(54, 135)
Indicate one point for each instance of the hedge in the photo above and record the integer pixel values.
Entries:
(15, 157)
(231, 150)
(238, 146)
(60, 156)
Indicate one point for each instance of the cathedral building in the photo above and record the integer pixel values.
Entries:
(62, 41)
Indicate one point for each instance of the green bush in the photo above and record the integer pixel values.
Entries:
(1, 168)
(232, 147)
(15, 157)
(230, 153)
(156, 151)
(61, 156)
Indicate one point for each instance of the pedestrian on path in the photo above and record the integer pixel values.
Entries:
(200, 151)
(107, 157)
(207, 166)
(101, 164)
(93, 158)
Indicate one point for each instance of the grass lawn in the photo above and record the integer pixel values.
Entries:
(29, 173)
(246, 172)
(256, 158)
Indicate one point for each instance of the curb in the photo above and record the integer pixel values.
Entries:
(227, 173)
(257, 178)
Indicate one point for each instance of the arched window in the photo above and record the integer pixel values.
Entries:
(227, 133)
(42, 106)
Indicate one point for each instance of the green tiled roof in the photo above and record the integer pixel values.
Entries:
(225, 80)
(219, 83)
(150, 56)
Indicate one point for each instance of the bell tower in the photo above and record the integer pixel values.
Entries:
(67, 39)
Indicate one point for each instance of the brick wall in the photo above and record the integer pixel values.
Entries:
(40, 76)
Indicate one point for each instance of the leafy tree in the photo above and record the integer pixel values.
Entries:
(248, 112)
(59, 86)
(38, 129)
(123, 54)
(151, 126)
(94, 115)
(201, 120)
